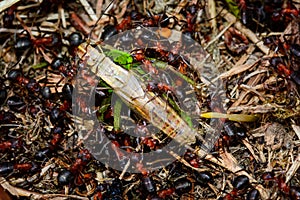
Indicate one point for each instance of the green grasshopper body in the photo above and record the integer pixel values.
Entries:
(133, 93)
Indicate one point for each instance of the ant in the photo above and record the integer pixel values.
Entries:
(284, 64)
(157, 20)
(75, 39)
(253, 195)
(274, 43)
(31, 84)
(114, 190)
(235, 41)
(139, 55)
(192, 159)
(111, 30)
(233, 132)
(16, 103)
(25, 41)
(107, 191)
(65, 177)
(278, 63)
(8, 167)
(63, 66)
(286, 48)
(47, 152)
(240, 183)
(172, 57)
(149, 184)
(285, 14)
(159, 87)
(82, 160)
(74, 174)
(181, 187)
(292, 191)
(150, 142)
(9, 16)
(203, 178)
(191, 15)
(11, 144)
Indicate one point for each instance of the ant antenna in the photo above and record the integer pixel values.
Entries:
(102, 13)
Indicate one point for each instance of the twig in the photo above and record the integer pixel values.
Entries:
(99, 7)
(297, 130)
(212, 12)
(244, 95)
(124, 170)
(6, 4)
(89, 10)
(61, 12)
(245, 57)
(293, 169)
(218, 36)
(124, 8)
(15, 191)
(237, 70)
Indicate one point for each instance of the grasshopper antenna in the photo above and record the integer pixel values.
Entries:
(102, 13)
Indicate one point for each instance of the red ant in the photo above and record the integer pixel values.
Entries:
(281, 67)
(159, 87)
(192, 158)
(82, 160)
(56, 139)
(181, 187)
(233, 132)
(191, 15)
(285, 14)
(293, 192)
(284, 64)
(64, 67)
(150, 142)
(276, 44)
(239, 184)
(9, 16)
(11, 144)
(235, 41)
(26, 41)
(111, 30)
(8, 167)
(74, 172)
(80, 25)
(139, 55)
(31, 84)
(160, 20)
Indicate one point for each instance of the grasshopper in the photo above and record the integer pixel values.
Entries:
(132, 91)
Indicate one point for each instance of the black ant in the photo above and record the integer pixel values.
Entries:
(240, 184)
